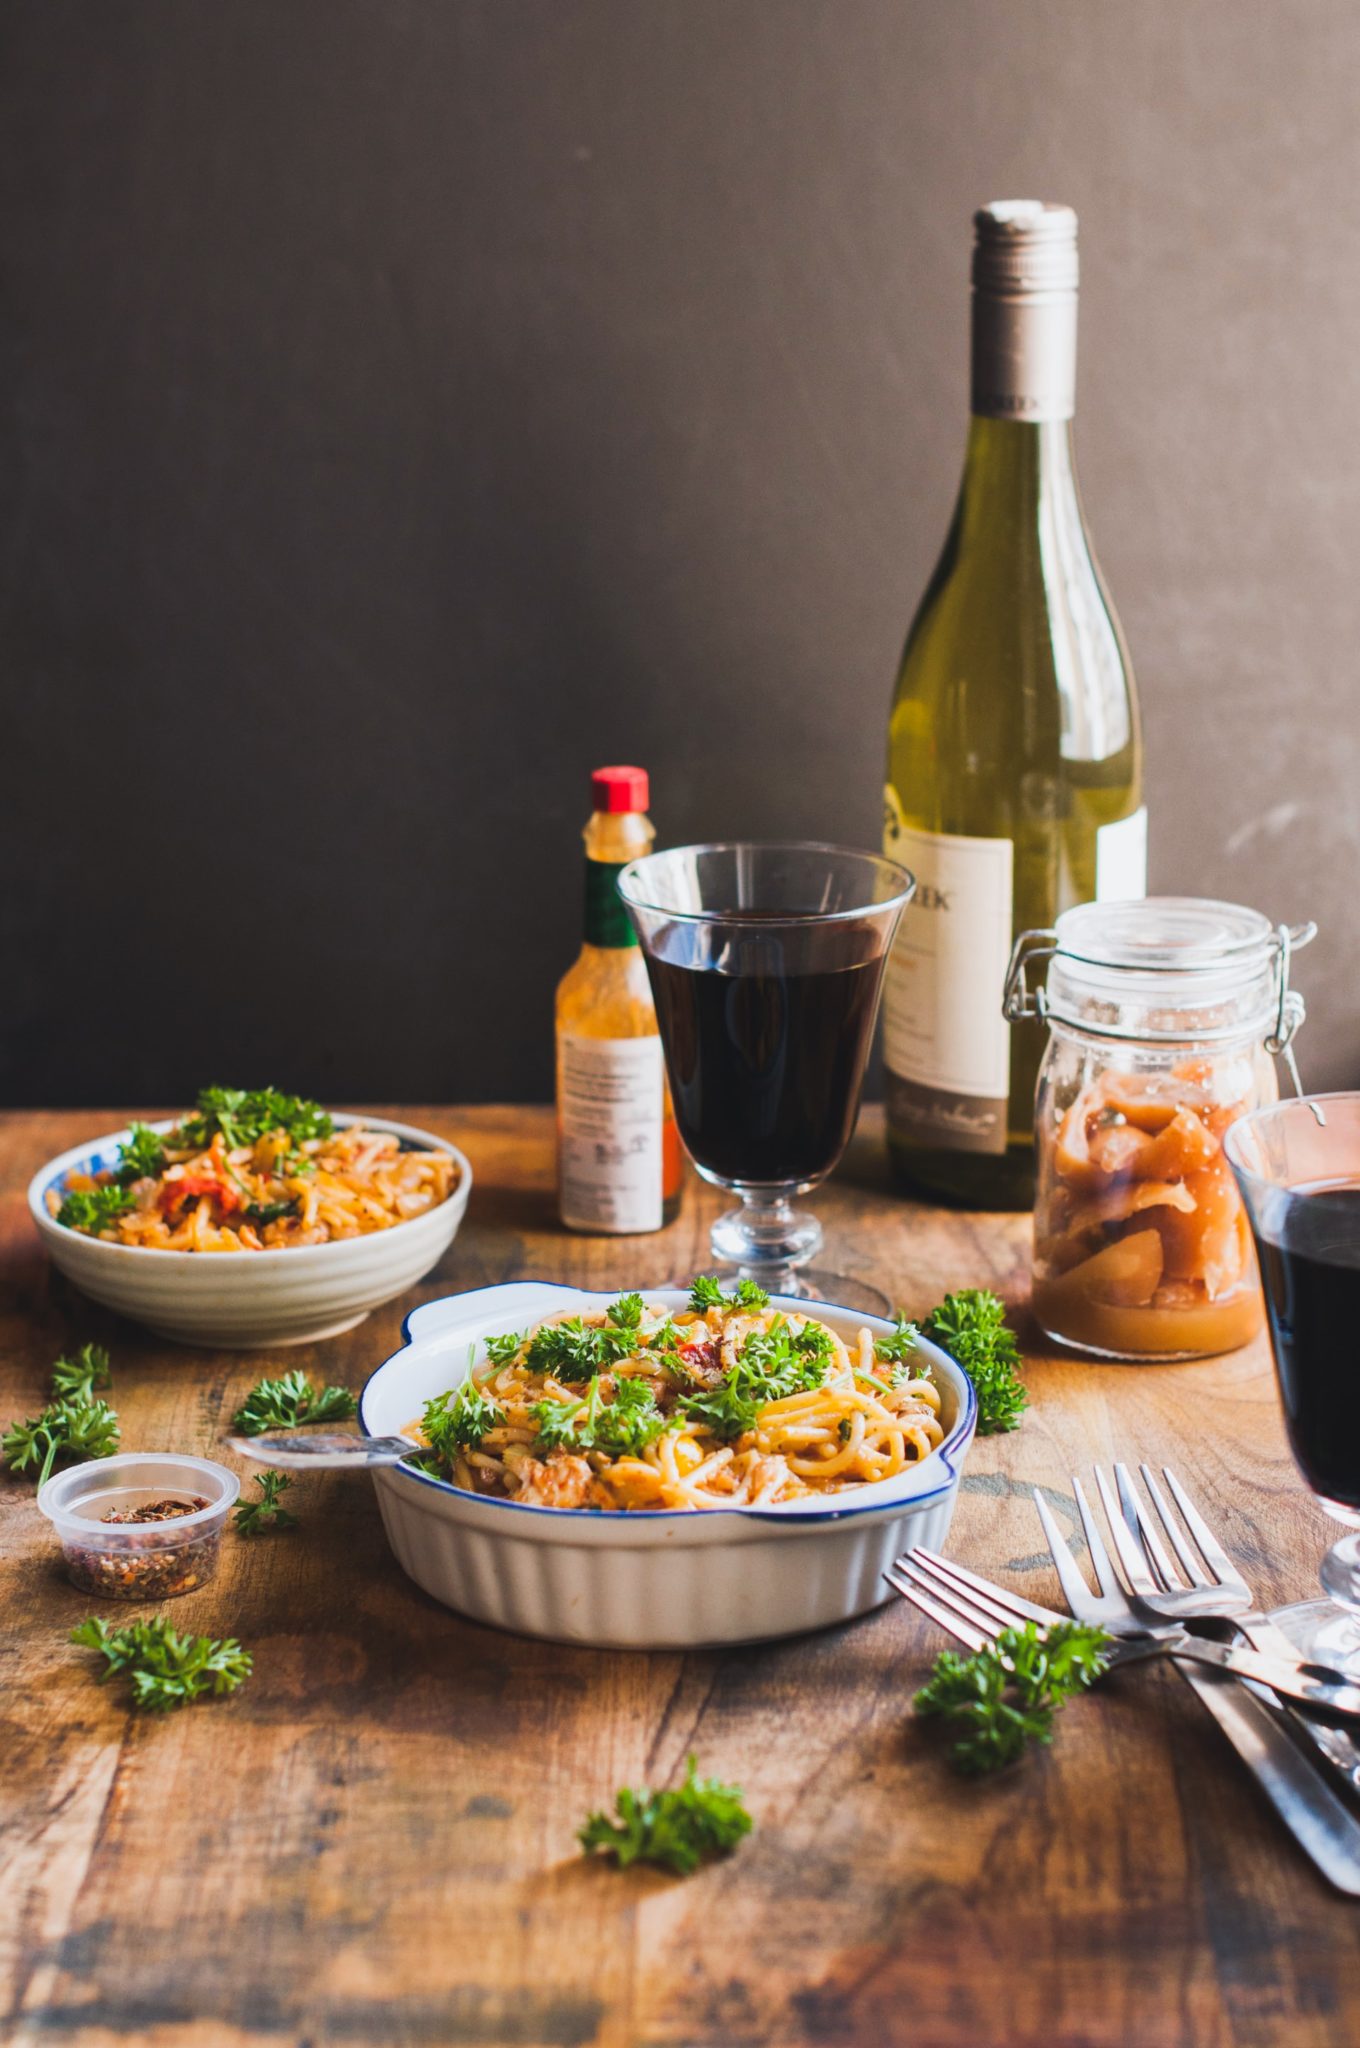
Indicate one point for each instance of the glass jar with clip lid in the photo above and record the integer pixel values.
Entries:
(1164, 1015)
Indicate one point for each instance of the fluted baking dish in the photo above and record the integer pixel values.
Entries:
(659, 1579)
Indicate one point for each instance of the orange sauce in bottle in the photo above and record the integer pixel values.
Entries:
(619, 1160)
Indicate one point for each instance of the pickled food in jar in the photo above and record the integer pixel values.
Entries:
(1141, 1243)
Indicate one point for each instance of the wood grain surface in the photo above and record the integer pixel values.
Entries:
(373, 1841)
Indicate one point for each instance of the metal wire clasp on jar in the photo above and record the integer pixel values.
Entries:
(1163, 1016)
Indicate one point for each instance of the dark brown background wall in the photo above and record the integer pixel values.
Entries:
(409, 403)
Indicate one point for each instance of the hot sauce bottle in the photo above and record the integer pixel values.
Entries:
(619, 1160)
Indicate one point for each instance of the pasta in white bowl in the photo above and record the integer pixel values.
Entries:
(767, 1552)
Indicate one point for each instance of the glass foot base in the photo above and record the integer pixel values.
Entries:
(761, 1237)
(1323, 1632)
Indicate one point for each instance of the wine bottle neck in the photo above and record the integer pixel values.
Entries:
(1025, 356)
(1012, 469)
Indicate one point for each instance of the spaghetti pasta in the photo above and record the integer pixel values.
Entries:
(724, 1405)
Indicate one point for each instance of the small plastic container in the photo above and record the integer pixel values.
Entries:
(147, 1560)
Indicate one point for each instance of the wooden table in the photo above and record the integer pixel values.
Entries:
(374, 1840)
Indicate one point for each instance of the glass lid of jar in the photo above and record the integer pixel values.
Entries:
(1110, 963)
(1166, 935)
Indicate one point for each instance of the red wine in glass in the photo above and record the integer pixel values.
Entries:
(1310, 1269)
(766, 1046)
(1297, 1165)
(766, 963)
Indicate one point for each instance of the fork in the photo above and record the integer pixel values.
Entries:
(1165, 1593)
(974, 1611)
(1143, 1602)
(1311, 1685)
(1139, 1609)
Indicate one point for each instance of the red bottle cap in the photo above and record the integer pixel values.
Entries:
(619, 789)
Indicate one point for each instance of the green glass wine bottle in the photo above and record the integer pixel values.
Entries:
(1014, 784)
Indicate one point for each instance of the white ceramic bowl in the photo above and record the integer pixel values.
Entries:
(655, 1580)
(247, 1300)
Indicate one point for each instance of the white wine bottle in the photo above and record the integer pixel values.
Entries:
(1014, 785)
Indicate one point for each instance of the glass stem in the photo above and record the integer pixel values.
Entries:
(766, 1237)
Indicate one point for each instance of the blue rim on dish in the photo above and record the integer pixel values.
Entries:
(961, 1433)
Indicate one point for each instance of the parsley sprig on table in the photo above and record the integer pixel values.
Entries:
(679, 1829)
(164, 1668)
(243, 1115)
(74, 1424)
(253, 1517)
(1006, 1695)
(971, 1326)
(287, 1402)
(64, 1429)
(78, 1378)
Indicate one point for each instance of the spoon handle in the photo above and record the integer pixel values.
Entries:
(323, 1450)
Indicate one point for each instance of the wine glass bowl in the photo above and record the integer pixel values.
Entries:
(766, 964)
(1297, 1165)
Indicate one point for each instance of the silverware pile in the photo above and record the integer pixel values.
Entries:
(1171, 1590)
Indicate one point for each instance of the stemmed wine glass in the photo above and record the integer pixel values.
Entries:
(766, 964)
(1297, 1164)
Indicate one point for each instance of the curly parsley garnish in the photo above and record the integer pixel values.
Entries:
(141, 1155)
(622, 1426)
(456, 1422)
(95, 1209)
(971, 1326)
(501, 1350)
(574, 1350)
(165, 1669)
(1006, 1695)
(707, 1293)
(771, 1365)
(271, 1212)
(679, 1830)
(243, 1115)
(254, 1516)
(287, 1402)
(899, 1351)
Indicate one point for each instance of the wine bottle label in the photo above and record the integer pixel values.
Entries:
(946, 1045)
(607, 923)
(1121, 859)
(610, 1096)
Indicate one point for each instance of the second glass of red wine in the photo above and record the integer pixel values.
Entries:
(1298, 1166)
(766, 964)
